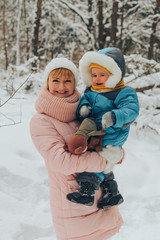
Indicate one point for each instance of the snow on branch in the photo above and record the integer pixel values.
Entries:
(144, 76)
(142, 89)
(133, 9)
(75, 10)
(137, 66)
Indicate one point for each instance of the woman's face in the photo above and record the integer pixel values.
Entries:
(61, 85)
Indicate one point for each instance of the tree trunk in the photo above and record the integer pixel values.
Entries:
(18, 33)
(100, 25)
(154, 25)
(114, 18)
(90, 20)
(121, 31)
(27, 30)
(4, 35)
(35, 41)
(142, 89)
(89, 24)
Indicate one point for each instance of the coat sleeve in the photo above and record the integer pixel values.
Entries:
(127, 107)
(50, 145)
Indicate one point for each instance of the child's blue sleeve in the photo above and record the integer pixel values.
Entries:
(127, 107)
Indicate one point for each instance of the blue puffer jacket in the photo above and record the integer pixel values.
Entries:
(123, 102)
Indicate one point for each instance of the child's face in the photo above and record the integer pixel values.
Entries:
(61, 86)
(99, 77)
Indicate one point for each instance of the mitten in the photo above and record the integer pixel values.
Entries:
(107, 120)
(95, 143)
(85, 110)
(78, 143)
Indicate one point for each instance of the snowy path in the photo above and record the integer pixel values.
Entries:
(24, 200)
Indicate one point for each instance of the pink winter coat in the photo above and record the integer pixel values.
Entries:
(51, 128)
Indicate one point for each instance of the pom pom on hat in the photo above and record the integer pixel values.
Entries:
(61, 63)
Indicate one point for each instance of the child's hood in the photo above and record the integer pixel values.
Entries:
(110, 58)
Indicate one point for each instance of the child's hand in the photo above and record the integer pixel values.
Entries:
(85, 110)
(107, 120)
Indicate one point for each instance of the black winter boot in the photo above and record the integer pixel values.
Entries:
(88, 183)
(110, 194)
(84, 195)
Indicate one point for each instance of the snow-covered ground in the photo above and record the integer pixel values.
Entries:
(24, 190)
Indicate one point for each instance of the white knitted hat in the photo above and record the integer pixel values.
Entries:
(61, 63)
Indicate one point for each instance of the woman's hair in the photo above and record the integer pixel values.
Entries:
(58, 72)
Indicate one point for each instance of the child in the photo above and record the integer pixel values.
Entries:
(113, 107)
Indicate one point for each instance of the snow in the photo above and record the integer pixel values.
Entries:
(24, 189)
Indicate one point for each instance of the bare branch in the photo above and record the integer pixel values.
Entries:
(10, 124)
(142, 89)
(1, 105)
(76, 11)
(11, 120)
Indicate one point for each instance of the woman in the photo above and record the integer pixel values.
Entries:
(51, 128)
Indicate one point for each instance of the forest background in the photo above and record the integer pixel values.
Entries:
(43, 29)
(32, 32)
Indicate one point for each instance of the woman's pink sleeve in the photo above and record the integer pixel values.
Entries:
(50, 145)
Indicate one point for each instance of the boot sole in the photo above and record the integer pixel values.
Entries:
(86, 204)
(109, 206)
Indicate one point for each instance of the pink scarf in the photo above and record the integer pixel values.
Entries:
(62, 109)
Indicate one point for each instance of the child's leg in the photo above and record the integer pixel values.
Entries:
(113, 155)
(88, 183)
(110, 194)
